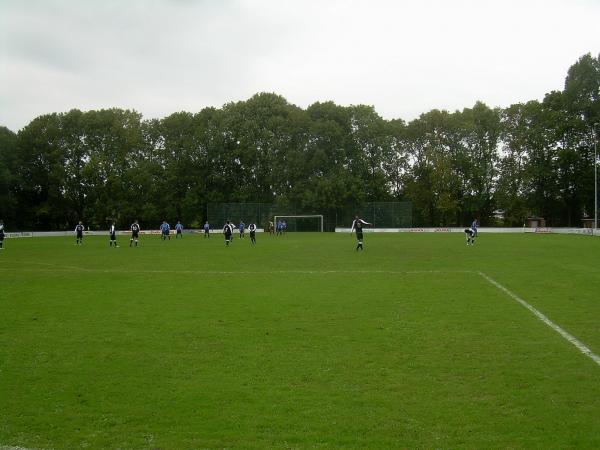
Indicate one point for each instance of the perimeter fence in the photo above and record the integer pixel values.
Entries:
(380, 214)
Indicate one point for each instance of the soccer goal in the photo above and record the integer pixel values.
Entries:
(313, 222)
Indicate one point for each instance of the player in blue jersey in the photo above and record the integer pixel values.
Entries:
(1, 235)
(178, 230)
(112, 231)
(165, 229)
(206, 230)
(79, 233)
(357, 225)
(242, 228)
(474, 227)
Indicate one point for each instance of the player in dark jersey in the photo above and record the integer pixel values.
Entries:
(79, 233)
(242, 228)
(135, 232)
(357, 225)
(227, 232)
(470, 234)
(1, 235)
(112, 231)
(252, 230)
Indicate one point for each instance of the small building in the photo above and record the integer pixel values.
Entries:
(587, 222)
(536, 222)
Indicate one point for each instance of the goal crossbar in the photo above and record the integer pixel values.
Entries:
(305, 216)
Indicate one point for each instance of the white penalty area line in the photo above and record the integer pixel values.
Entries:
(569, 337)
(62, 268)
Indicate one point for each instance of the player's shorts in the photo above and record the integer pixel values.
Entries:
(80, 235)
(113, 237)
(134, 234)
(359, 235)
(228, 236)
(2, 236)
(178, 231)
(206, 231)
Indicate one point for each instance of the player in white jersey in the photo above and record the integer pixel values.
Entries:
(228, 232)
(357, 225)
(112, 231)
(252, 230)
(470, 234)
(1, 235)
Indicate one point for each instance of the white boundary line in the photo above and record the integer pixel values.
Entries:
(8, 447)
(569, 337)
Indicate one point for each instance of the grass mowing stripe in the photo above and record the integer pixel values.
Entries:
(309, 345)
(569, 337)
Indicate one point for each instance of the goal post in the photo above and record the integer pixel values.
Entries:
(305, 221)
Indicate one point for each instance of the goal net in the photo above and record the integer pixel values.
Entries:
(312, 222)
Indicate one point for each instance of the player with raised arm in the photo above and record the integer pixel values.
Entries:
(357, 225)
(206, 230)
(178, 230)
(227, 232)
(79, 233)
(165, 229)
(135, 233)
(470, 234)
(112, 231)
(252, 230)
(1, 235)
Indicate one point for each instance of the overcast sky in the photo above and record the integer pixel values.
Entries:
(404, 57)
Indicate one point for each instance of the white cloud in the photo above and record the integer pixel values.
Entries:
(403, 57)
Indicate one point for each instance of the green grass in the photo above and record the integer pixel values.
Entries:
(299, 342)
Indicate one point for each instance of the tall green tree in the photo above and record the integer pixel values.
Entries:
(9, 181)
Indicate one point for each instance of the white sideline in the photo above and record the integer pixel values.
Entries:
(569, 337)
(8, 447)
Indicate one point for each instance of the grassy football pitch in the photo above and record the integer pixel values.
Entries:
(300, 342)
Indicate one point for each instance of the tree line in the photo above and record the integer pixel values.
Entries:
(497, 164)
